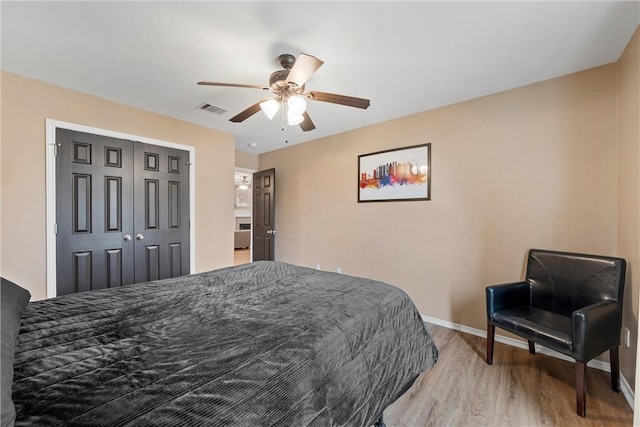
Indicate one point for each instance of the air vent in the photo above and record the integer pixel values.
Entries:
(212, 108)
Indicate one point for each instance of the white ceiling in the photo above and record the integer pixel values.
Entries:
(406, 57)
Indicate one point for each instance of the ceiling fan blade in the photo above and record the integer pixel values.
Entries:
(307, 124)
(232, 85)
(349, 101)
(244, 115)
(303, 69)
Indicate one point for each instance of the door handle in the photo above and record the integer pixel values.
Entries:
(127, 237)
(269, 231)
(139, 237)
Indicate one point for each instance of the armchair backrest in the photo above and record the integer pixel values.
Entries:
(563, 282)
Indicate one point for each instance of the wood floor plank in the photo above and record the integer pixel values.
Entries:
(519, 389)
(241, 256)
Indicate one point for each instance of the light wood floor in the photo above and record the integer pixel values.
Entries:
(241, 256)
(519, 389)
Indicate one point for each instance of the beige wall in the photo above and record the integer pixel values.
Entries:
(27, 103)
(246, 160)
(628, 127)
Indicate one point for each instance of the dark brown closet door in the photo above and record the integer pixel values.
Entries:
(264, 212)
(94, 212)
(122, 212)
(162, 212)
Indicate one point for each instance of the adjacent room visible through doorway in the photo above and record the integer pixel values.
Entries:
(242, 213)
(241, 256)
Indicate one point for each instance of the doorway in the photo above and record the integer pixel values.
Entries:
(52, 126)
(264, 215)
(242, 233)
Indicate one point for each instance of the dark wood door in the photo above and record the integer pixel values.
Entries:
(94, 212)
(122, 212)
(264, 215)
(162, 212)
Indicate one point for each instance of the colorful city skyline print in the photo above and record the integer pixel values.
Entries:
(395, 175)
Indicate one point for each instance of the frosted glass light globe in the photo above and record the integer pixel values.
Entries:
(297, 105)
(270, 107)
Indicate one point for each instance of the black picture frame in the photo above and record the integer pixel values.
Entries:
(395, 175)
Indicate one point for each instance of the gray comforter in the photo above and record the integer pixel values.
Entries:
(265, 343)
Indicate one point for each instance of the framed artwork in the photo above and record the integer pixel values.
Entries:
(243, 197)
(400, 174)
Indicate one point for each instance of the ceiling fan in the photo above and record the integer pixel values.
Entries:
(288, 85)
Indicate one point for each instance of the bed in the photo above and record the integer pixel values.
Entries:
(261, 344)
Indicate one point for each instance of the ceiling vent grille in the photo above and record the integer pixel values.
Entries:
(212, 109)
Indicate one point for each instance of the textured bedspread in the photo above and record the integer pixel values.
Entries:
(265, 343)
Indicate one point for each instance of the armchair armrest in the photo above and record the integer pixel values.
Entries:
(596, 328)
(507, 295)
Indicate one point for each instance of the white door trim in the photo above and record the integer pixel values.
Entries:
(50, 141)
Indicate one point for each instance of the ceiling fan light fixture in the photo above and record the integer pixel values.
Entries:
(297, 105)
(288, 86)
(294, 119)
(245, 184)
(270, 108)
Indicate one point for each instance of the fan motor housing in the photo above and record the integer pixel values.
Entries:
(278, 79)
(279, 85)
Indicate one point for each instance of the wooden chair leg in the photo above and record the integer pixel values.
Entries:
(581, 388)
(532, 347)
(491, 332)
(614, 359)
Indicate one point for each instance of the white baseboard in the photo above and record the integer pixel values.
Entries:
(597, 364)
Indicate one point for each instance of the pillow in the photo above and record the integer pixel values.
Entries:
(14, 300)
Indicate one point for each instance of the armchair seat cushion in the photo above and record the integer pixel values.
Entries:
(547, 328)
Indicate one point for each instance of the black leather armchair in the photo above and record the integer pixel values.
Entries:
(569, 302)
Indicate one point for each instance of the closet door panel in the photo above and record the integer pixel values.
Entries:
(162, 195)
(94, 212)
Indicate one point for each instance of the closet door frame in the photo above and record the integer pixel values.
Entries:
(50, 141)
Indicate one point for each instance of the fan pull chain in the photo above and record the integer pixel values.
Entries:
(286, 140)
